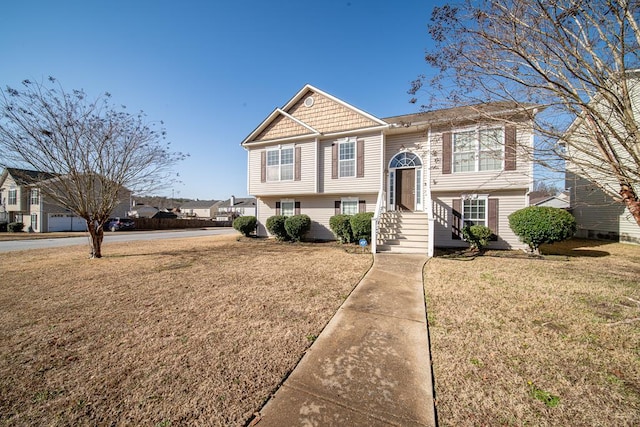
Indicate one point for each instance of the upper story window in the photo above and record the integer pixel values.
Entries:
(13, 197)
(478, 150)
(35, 197)
(347, 158)
(280, 164)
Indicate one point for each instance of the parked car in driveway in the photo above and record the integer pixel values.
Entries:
(117, 224)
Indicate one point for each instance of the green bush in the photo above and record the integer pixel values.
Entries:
(361, 226)
(341, 227)
(478, 236)
(536, 225)
(297, 226)
(3, 227)
(15, 227)
(245, 224)
(275, 226)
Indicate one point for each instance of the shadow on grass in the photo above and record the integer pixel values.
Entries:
(578, 248)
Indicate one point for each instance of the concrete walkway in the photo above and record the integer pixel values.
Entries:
(370, 366)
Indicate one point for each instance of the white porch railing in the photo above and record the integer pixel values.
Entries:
(380, 208)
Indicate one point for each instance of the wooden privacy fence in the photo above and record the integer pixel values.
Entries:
(170, 223)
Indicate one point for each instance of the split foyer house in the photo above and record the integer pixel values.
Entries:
(423, 175)
(21, 200)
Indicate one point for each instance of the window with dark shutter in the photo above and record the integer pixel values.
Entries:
(456, 219)
(362, 206)
(510, 148)
(337, 207)
(263, 166)
(492, 218)
(298, 156)
(334, 160)
(360, 159)
(446, 153)
(297, 208)
(277, 208)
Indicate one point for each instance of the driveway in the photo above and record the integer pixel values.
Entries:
(109, 237)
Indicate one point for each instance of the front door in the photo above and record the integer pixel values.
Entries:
(406, 189)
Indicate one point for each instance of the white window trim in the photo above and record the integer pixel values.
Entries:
(37, 197)
(15, 196)
(355, 157)
(349, 199)
(484, 197)
(477, 151)
(279, 149)
(293, 206)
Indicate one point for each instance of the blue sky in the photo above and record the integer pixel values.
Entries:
(213, 70)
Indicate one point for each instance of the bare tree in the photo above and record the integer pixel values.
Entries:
(96, 153)
(576, 59)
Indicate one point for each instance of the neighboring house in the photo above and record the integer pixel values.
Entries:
(239, 206)
(423, 175)
(560, 200)
(597, 214)
(22, 201)
(200, 209)
(142, 211)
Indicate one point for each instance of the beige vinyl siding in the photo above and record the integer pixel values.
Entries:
(522, 177)
(508, 202)
(319, 208)
(307, 172)
(370, 182)
(413, 142)
(282, 127)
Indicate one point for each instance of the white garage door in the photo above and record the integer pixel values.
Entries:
(66, 222)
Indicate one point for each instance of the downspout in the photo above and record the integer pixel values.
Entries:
(431, 219)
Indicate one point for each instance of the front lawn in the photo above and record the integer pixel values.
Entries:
(175, 332)
(528, 341)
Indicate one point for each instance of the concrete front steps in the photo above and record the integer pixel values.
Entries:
(403, 232)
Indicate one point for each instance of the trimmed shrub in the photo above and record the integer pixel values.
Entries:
(361, 226)
(3, 227)
(341, 227)
(478, 236)
(245, 224)
(15, 227)
(275, 226)
(536, 225)
(297, 226)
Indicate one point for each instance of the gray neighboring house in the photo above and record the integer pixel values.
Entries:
(598, 215)
(200, 209)
(560, 200)
(240, 206)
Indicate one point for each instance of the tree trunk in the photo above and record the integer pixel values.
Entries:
(630, 199)
(96, 234)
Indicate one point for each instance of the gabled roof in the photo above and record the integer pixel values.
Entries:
(312, 112)
(27, 177)
(200, 204)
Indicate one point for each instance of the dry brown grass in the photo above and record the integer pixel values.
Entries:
(7, 236)
(512, 336)
(175, 332)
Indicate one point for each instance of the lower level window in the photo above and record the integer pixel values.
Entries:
(34, 221)
(349, 206)
(474, 212)
(287, 207)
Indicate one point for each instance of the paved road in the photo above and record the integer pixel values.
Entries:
(125, 236)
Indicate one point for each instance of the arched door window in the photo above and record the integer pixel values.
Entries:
(405, 159)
